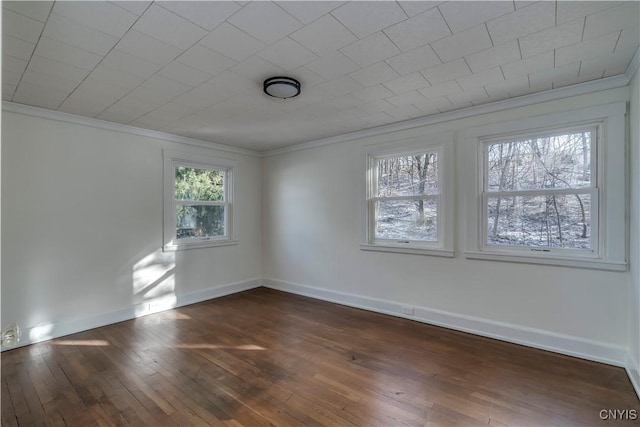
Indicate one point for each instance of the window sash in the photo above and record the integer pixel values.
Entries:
(373, 223)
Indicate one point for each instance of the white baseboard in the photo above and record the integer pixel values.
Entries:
(537, 338)
(61, 328)
(632, 367)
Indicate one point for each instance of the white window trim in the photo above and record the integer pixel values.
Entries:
(442, 144)
(609, 227)
(176, 158)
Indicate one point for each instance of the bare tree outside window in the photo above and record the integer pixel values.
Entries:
(406, 197)
(539, 190)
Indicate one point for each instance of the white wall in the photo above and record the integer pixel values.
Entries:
(634, 297)
(82, 228)
(312, 212)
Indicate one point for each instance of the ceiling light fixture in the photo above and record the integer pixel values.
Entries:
(281, 87)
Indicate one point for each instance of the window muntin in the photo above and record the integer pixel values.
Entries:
(405, 205)
(200, 201)
(540, 192)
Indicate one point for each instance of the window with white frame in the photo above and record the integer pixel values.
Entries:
(406, 203)
(540, 191)
(198, 202)
(550, 190)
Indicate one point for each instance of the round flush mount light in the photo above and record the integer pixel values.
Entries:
(282, 87)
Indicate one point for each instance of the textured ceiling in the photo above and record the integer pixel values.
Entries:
(196, 68)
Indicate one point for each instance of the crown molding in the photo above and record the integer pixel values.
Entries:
(632, 69)
(59, 116)
(507, 104)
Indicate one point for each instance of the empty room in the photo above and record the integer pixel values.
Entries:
(320, 213)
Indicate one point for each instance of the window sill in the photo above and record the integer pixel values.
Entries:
(407, 250)
(198, 245)
(592, 264)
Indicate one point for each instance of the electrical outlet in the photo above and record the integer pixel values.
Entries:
(407, 310)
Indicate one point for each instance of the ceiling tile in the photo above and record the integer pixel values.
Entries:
(17, 48)
(39, 96)
(8, 91)
(287, 54)
(21, 27)
(232, 42)
(155, 119)
(442, 89)
(462, 44)
(404, 112)
(38, 10)
(602, 63)
(507, 88)
(528, 65)
(374, 74)
(265, 21)
(308, 11)
(102, 16)
(419, 30)
(306, 77)
(448, 71)
(370, 50)
(324, 35)
(148, 48)
(629, 40)
(84, 105)
(165, 26)
(94, 89)
(135, 6)
(233, 82)
(14, 65)
(342, 86)
(164, 86)
(75, 34)
(53, 49)
(468, 97)
(626, 15)
(412, 8)
(57, 69)
(519, 4)
(407, 83)
(373, 93)
(111, 76)
(462, 15)
(493, 57)
(206, 14)
(482, 78)
(414, 60)
(256, 69)
(184, 74)
(129, 108)
(570, 10)
(552, 38)
(49, 81)
(332, 65)
(205, 60)
(407, 98)
(343, 102)
(11, 78)
(558, 74)
(366, 17)
(374, 107)
(587, 49)
(528, 20)
(131, 64)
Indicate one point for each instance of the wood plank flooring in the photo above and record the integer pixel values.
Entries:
(264, 357)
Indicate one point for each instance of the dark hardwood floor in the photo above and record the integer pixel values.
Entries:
(264, 357)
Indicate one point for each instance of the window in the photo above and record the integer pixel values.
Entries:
(551, 190)
(406, 199)
(198, 196)
(540, 191)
